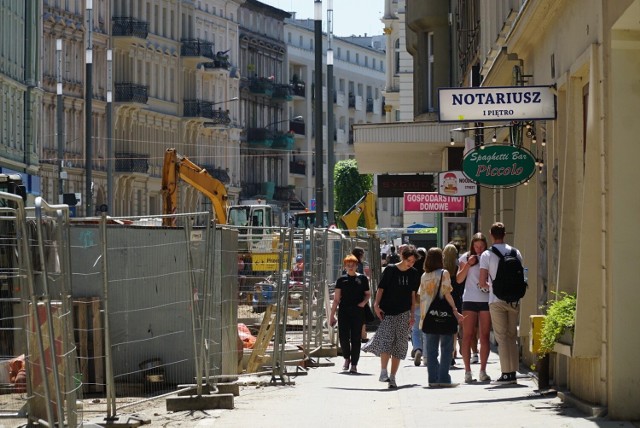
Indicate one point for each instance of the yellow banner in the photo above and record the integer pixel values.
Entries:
(267, 262)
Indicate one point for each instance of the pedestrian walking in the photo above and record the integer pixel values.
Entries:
(439, 318)
(394, 305)
(504, 315)
(475, 309)
(417, 337)
(351, 295)
(450, 260)
(368, 314)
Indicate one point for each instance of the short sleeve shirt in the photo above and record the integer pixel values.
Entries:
(352, 290)
(398, 287)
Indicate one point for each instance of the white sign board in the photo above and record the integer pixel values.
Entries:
(497, 103)
(455, 183)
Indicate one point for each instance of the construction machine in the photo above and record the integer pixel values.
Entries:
(256, 242)
(365, 206)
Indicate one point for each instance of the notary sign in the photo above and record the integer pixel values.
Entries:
(432, 202)
(455, 183)
(486, 104)
(499, 165)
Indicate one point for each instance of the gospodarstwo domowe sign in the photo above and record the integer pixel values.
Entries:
(499, 165)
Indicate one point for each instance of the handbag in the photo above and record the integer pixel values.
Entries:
(439, 318)
(368, 314)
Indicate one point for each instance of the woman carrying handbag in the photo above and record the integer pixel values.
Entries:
(439, 318)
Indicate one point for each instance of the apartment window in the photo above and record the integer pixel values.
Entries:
(339, 53)
(300, 43)
(341, 85)
(289, 37)
(366, 61)
(357, 58)
(348, 56)
(311, 44)
(373, 63)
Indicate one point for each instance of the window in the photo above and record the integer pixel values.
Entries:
(373, 63)
(289, 37)
(366, 61)
(357, 58)
(339, 53)
(348, 56)
(300, 43)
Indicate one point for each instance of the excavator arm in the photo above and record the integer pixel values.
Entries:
(177, 167)
(365, 206)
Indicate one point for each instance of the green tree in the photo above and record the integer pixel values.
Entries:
(349, 185)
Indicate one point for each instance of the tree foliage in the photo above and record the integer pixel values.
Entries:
(349, 185)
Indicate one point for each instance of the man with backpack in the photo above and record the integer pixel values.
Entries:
(502, 274)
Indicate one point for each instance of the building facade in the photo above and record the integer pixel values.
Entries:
(359, 77)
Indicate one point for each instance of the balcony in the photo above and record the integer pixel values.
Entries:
(261, 86)
(260, 138)
(218, 64)
(352, 101)
(132, 162)
(298, 167)
(283, 141)
(197, 48)
(282, 92)
(198, 108)
(299, 89)
(127, 92)
(129, 27)
(369, 105)
(297, 127)
(218, 173)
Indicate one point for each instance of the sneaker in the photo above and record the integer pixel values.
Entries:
(448, 385)
(474, 359)
(484, 377)
(413, 353)
(354, 369)
(505, 379)
(384, 377)
(417, 358)
(468, 377)
(435, 385)
(346, 364)
(392, 383)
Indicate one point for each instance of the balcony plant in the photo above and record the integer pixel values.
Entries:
(559, 320)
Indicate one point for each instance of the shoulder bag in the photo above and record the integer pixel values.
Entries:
(439, 318)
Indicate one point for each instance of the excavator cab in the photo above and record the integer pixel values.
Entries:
(251, 221)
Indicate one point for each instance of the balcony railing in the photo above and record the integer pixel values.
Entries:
(299, 89)
(198, 108)
(127, 92)
(282, 92)
(260, 137)
(283, 141)
(369, 105)
(352, 101)
(297, 127)
(132, 162)
(197, 47)
(298, 167)
(218, 173)
(261, 85)
(123, 26)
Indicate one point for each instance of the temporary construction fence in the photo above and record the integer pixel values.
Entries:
(131, 312)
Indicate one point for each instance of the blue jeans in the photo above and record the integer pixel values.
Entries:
(416, 331)
(438, 370)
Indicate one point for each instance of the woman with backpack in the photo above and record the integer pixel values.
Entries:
(475, 308)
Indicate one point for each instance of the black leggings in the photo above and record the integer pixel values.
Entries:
(350, 332)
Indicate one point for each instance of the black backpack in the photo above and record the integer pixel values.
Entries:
(509, 284)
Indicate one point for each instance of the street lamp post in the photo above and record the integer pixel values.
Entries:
(318, 113)
(330, 120)
(88, 125)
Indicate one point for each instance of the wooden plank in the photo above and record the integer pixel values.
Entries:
(267, 329)
(81, 308)
(98, 345)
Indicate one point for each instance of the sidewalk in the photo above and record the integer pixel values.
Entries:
(326, 397)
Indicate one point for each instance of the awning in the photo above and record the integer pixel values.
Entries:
(403, 147)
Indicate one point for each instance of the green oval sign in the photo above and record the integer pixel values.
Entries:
(499, 165)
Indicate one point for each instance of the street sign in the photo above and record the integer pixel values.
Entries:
(499, 165)
(505, 103)
(455, 183)
(432, 202)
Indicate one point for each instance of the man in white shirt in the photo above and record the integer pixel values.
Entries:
(504, 316)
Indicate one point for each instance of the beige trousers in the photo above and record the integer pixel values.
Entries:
(504, 318)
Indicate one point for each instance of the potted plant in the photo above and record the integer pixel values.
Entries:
(559, 322)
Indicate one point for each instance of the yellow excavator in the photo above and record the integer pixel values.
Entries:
(256, 242)
(365, 206)
(176, 167)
